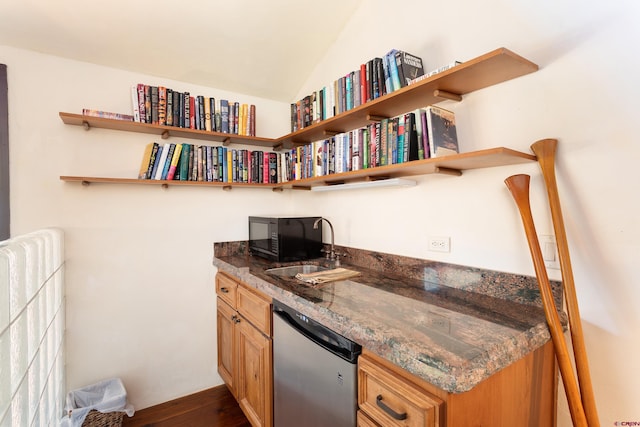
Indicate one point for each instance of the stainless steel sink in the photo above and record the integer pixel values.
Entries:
(292, 270)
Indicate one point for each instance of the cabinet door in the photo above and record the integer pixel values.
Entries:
(227, 345)
(255, 383)
(391, 400)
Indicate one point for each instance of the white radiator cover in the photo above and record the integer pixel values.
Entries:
(32, 323)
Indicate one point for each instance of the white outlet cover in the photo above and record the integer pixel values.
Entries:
(439, 244)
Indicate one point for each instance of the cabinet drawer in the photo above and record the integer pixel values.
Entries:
(364, 421)
(390, 400)
(226, 289)
(255, 307)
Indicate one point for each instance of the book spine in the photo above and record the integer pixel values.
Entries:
(169, 107)
(403, 149)
(154, 105)
(175, 159)
(224, 115)
(192, 112)
(364, 96)
(162, 105)
(141, 103)
(147, 103)
(135, 105)
(167, 162)
(158, 168)
(411, 67)
(146, 158)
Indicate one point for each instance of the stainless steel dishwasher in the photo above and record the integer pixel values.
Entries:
(314, 373)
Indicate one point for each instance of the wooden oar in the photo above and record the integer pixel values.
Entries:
(519, 187)
(545, 150)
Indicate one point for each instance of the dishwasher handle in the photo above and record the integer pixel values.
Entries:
(318, 333)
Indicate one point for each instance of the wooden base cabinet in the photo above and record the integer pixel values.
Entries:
(522, 394)
(245, 348)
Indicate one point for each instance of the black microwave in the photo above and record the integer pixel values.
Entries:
(285, 238)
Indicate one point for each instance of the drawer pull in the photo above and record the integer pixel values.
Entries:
(390, 411)
(224, 290)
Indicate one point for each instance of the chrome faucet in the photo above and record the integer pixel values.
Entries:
(331, 256)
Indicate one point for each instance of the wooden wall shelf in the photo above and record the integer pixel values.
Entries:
(164, 131)
(450, 165)
(492, 68)
(86, 180)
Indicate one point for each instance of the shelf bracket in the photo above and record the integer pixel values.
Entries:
(330, 133)
(447, 95)
(226, 141)
(300, 187)
(86, 125)
(165, 186)
(278, 147)
(376, 118)
(165, 135)
(85, 183)
(448, 171)
(226, 188)
(277, 189)
(376, 177)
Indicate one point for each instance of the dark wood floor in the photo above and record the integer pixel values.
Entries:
(208, 408)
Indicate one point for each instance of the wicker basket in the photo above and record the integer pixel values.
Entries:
(98, 419)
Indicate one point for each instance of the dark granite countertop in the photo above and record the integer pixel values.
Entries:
(450, 325)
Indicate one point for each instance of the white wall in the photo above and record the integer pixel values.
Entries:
(139, 278)
(586, 94)
(140, 304)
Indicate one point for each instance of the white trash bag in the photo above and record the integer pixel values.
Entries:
(105, 396)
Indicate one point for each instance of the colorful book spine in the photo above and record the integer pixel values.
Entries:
(167, 162)
(146, 159)
(175, 159)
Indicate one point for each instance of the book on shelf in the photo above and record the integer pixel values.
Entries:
(441, 127)
(147, 103)
(411, 137)
(393, 81)
(167, 162)
(184, 162)
(175, 159)
(148, 158)
(159, 167)
(162, 105)
(154, 105)
(134, 103)
(409, 67)
(107, 115)
(169, 107)
(224, 114)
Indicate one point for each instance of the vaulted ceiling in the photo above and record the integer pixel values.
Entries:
(264, 48)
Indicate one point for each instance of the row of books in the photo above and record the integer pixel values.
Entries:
(375, 78)
(421, 134)
(424, 133)
(190, 162)
(160, 105)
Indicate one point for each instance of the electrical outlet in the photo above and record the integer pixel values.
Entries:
(440, 244)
